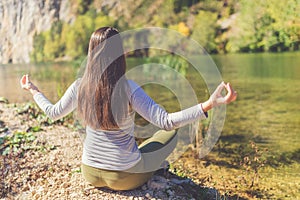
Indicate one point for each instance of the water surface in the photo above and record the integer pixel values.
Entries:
(267, 110)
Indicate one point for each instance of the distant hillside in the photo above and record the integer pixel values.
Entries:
(39, 30)
(21, 19)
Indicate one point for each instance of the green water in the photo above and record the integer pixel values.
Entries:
(268, 86)
(268, 106)
(267, 110)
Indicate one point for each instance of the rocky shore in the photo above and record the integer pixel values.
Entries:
(46, 164)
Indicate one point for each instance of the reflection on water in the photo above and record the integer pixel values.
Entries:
(51, 79)
(268, 87)
(267, 112)
(268, 107)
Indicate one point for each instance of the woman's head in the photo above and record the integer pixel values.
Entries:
(106, 66)
(106, 47)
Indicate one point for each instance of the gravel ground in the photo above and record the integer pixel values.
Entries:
(51, 170)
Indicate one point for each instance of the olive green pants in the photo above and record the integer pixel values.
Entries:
(153, 153)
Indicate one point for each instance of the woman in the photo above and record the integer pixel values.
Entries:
(106, 102)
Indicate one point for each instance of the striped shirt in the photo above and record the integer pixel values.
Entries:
(117, 150)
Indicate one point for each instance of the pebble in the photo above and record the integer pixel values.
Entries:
(170, 193)
(148, 195)
(179, 182)
(65, 185)
(156, 185)
(144, 187)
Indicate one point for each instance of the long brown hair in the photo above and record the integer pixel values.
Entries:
(106, 66)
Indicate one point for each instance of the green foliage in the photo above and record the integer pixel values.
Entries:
(53, 46)
(77, 36)
(48, 45)
(181, 28)
(204, 30)
(103, 20)
(219, 26)
(68, 40)
(266, 26)
(38, 48)
(16, 143)
(179, 171)
(175, 62)
(30, 109)
(179, 5)
(3, 100)
(81, 6)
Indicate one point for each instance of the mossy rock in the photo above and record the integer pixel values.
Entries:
(3, 100)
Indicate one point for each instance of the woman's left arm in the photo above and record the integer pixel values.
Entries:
(63, 107)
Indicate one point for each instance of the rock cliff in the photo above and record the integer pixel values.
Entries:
(21, 19)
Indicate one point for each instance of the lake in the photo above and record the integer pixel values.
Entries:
(267, 110)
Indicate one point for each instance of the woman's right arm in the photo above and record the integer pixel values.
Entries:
(152, 112)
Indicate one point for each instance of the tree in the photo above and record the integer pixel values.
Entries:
(76, 36)
(53, 48)
(37, 55)
(271, 25)
(204, 30)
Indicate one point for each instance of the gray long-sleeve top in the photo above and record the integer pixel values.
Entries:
(117, 150)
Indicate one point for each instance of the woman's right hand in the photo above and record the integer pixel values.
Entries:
(217, 98)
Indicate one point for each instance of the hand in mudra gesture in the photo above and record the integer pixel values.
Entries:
(217, 98)
(28, 85)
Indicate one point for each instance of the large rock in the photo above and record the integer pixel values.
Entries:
(21, 19)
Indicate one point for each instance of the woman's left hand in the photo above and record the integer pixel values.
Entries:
(25, 83)
(28, 85)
